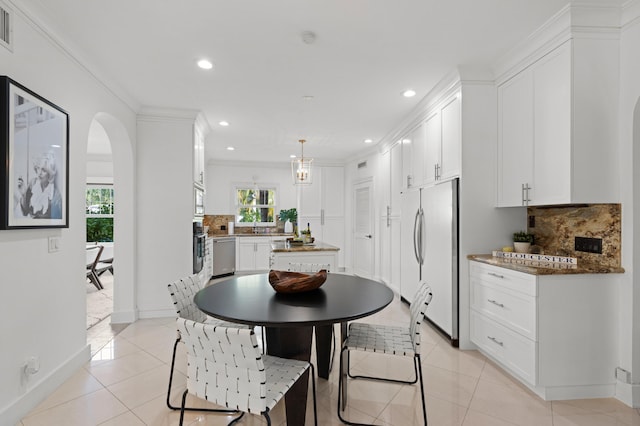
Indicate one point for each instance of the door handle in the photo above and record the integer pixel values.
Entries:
(368, 236)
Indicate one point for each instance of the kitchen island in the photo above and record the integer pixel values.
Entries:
(305, 257)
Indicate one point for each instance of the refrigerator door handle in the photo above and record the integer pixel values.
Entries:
(415, 237)
(421, 243)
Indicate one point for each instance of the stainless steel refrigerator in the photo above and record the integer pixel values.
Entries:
(429, 251)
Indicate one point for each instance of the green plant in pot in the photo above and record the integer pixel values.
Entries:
(290, 219)
(522, 242)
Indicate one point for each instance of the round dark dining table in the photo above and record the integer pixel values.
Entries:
(289, 319)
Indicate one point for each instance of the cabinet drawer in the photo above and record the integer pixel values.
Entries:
(511, 280)
(508, 348)
(514, 310)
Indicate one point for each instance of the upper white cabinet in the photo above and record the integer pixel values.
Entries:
(556, 128)
(442, 153)
(322, 206)
(431, 151)
(198, 154)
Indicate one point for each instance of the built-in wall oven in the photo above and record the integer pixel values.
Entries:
(199, 242)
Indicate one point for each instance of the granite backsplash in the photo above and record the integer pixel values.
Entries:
(218, 225)
(555, 228)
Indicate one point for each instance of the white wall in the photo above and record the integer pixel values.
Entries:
(43, 309)
(165, 207)
(221, 180)
(629, 291)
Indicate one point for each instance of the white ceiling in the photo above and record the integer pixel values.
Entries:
(367, 52)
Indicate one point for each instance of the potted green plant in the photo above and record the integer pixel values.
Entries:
(522, 242)
(290, 219)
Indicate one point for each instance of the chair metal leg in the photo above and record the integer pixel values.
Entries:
(237, 419)
(183, 408)
(424, 406)
(418, 373)
(313, 387)
(184, 399)
(266, 416)
(382, 379)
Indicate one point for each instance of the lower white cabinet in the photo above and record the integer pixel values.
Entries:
(253, 253)
(308, 261)
(555, 333)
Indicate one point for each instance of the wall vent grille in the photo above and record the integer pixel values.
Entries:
(362, 165)
(6, 33)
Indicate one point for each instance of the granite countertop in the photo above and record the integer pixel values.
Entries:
(545, 268)
(270, 234)
(282, 247)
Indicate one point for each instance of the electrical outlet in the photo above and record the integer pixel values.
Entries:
(588, 245)
(532, 221)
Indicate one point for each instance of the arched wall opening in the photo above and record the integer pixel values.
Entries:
(124, 293)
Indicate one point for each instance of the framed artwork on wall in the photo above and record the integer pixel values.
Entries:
(34, 160)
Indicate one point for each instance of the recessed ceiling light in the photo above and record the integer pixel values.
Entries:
(224, 123)
(368, 140)
(409, 93)
(230, 148)
(292, 156)
(205, 64)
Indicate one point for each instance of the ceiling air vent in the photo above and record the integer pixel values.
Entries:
(362, 165)
(5, 26)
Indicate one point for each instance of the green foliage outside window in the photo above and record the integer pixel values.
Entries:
(255, 205)
(99, 212)
(99, 229)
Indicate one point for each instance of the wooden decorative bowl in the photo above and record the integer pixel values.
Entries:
(296, 282)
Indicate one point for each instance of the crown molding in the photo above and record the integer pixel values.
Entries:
(157, 114)
(36, 21)
(576, 20)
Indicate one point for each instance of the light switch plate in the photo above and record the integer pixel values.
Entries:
(54, 244)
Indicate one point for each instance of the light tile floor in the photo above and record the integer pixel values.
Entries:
(125, 383)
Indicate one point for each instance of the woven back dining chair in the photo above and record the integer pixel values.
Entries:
(226, 367)
(391, 340)
(182, 292)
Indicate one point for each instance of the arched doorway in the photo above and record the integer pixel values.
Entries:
(124, 217)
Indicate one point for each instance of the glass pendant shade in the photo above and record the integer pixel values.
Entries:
(301, 169)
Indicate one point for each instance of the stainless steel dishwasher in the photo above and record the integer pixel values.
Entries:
(224, 256)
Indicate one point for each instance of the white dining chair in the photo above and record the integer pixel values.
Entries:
(390, 340)
(182, 292)
(226, 367)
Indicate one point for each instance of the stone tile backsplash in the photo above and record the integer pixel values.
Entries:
(555, 229)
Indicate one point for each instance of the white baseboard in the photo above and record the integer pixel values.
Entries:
(628, 393)
(560, 393)
(123, 317)
(14, 412)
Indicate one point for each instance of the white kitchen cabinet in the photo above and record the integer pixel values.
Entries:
(252, 253)
(550, 134)
(390, 188)
(413, 154)
(198, 155)
(552, 332)
(442, 141)
(322, 206)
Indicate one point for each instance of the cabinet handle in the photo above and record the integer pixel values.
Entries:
(408, 181)
(388, 216)
(495, 303)
(435, 171)
(496, 341)
(493, 274)
(525, 194)
(322, 217)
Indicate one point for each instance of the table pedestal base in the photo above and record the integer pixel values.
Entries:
(292, 343)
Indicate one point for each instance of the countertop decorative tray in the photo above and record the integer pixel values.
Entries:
(296, 282)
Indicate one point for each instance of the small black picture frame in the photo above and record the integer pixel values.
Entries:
(34, 160)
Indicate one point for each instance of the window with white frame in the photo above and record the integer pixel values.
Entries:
(99, 213)
(255, 206)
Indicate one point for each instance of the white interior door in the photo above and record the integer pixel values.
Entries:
(363, 220)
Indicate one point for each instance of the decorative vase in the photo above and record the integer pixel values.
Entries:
(288, 227)
(520, 247)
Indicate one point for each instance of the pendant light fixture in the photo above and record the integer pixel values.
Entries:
(301, 168)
